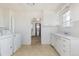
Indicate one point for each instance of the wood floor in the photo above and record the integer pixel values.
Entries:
(36, 40)
(36, 49)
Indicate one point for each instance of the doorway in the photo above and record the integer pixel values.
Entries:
(37, 29)
(36, 33)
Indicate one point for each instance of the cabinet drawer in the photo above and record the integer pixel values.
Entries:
(6, 46)
(66, 41)
(66, 45)
(66, 52)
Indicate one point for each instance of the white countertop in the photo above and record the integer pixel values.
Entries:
(66, 36)
(5, 36)
(8, 35)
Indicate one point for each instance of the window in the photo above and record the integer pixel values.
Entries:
(66, 19)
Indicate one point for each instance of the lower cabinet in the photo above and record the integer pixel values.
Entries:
(9, 44)
(17, 42)
(61, 44)
(65, 46)
(6, 46)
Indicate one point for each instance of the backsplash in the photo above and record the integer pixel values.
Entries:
(64, 30)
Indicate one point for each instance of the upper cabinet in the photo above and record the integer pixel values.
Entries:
(1, 18)
(4, 17)
(74, 12)
(50, 18)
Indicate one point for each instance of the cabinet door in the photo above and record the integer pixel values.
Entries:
(66, 46)
(10, 45)
(54, 40)
(6, 48)
(15, 45)
(17, 42)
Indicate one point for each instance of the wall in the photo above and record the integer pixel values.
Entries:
(1, 18)
(6, 17)
(49, 25)
(49, 18)
(22, 26)
(75, 19)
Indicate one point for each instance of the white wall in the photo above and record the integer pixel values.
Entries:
(1, 18)
(6, 17)
(75, 19)
(49, 23)
(22, 26)
(50, 18)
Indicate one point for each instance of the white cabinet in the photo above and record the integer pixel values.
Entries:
(9, 44)
(45, 34)
(65, 45)
(75, 47)
(53, 40)
(17, 42)
(61, 44)
(6, 46)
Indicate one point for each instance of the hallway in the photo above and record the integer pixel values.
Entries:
(36, 49)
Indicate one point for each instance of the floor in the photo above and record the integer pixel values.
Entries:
(36, 49)
(36, 40)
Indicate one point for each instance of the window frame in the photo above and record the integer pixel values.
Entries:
(64, 19)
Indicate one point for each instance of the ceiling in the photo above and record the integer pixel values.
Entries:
(31, 6)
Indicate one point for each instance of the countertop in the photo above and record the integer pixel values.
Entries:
(5, 36)
(65, 36)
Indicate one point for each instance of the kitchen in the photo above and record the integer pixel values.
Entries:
(59, 27)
